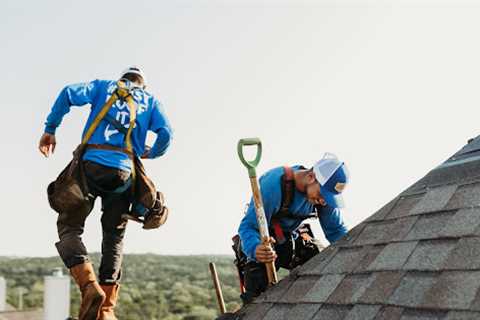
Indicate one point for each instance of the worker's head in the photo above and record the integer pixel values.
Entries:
(134, 75)
(326, 181)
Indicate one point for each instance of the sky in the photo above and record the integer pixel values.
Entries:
(391, 87)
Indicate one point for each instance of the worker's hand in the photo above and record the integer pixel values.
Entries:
(146, 153)
(265, 253)
(47, 144)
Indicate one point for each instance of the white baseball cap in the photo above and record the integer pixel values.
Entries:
(333, 176)
(135, 70)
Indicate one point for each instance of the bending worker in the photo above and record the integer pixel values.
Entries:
(107, 167)
(291, 195)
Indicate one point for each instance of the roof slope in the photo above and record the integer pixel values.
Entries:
(417, 258)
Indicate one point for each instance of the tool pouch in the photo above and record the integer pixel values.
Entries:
(148, 202)
(306, 246)
(296, 248)
(69, 192)
(156, 216)
(240, 261)
(240, 257)
(145, 192)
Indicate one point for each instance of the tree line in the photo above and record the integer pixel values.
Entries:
(153, 287)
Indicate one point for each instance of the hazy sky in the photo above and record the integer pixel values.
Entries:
(390, 87)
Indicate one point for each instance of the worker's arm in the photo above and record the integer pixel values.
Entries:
(248, 230)
(332, 223)
(72, 95)
(161, 126)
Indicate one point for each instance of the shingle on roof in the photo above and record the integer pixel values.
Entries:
(382, 287)
(332, 312)
(298, 289)
(393, 256)
(363, 312)
(422, 315)
(371, 254)
(345, 260)
(465, 256)
(463, 315)
(277, 313)
(429, 226)
(417, 258)
(385, 231)
(302, 311)
(467, 195)
(430, 255)
(390, 313)
(404, 206)
(435, 199)
(466, 223)
(411, 290)
(453, 290)
(351, 289)
(323, 288)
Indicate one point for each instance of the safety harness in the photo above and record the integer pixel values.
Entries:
(123, 93)
(288, 193)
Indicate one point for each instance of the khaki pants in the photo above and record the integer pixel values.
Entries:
(70, 225)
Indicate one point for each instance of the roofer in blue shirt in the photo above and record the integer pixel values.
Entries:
(290, 196)
(107, 166)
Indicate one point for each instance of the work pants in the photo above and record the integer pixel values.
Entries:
(70, 225)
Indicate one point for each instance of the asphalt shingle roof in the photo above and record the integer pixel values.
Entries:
(417, 258)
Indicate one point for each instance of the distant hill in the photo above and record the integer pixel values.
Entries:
(153, 286)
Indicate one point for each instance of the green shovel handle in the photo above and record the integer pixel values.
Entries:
(251, 165)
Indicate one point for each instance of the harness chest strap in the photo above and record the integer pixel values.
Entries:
(113, 98)
(288, 189)
(288, 183)
(128, 137)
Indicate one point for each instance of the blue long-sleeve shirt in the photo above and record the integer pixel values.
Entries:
(271, 189)
(150, 117)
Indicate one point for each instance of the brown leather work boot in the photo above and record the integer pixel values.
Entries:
(111, 292)
(92, 294)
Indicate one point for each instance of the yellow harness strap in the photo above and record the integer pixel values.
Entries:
(99, 117)
(125, 94)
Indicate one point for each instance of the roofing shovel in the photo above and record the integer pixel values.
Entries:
(257, 198)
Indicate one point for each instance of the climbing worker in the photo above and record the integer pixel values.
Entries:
(290, 196)
(121, 114)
